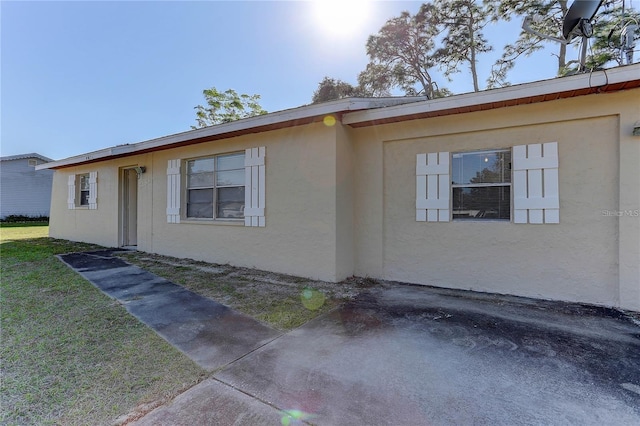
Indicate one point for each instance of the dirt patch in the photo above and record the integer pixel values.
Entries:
(283, 301)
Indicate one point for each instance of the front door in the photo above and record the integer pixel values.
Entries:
(129, 210)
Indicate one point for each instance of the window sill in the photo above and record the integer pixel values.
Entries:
(213, 222)
(481, 220)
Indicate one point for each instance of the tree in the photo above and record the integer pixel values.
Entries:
(375, 81)
(402, 54)
(552, 14)
(463, 22)
(444, 33)
(227, 106)
(606, 45)
(330, 89)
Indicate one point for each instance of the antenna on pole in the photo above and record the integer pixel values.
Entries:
(628, 41)
(576, 23)
(627, 38)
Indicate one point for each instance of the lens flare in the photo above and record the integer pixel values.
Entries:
(312, 299)
(329, 121)
(294, 415)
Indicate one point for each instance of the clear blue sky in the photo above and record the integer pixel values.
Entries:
(82, 76)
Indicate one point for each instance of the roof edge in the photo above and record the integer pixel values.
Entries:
(278, 119)
(596, 81)
(361, 112)
(25, 156)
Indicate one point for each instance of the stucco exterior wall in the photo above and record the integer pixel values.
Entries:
(344, 203)
(102, 225)
(576, 260)
(629, 203)
(301, 207)
(300, 233)
(340, 201)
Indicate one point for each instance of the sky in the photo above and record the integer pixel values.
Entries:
(80, 76)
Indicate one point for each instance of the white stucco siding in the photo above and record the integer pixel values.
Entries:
(629, 202)
(345, 213)
(341, 201)
(575, 260)
(300, 233)
(572, 260)
(23, 190)
(102, 224)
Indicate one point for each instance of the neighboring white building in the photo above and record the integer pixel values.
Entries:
(24, 190)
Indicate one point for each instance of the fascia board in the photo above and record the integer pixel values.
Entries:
(290, 115)
(525, 90)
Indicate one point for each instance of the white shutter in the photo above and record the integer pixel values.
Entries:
(71, 194)
(254, 186)
(535, 183)
(93, 190)
(432, 187)
(173, 191)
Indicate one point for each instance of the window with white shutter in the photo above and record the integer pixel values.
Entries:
(432, 187)
(173, 191)
(82, 191)
(535, 183)
(93, 191)
(254, 193)
(225, 187)
(482, 183)
(71, 192)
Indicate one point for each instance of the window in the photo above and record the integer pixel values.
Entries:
(216, 186)
(230, 186)
(83, 189)
(33, 162)
(481, 185)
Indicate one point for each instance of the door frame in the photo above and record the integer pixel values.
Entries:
(128, 207)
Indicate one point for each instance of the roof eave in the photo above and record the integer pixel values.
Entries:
(25, 156)
(620, 78)
(277, 120)
(362, 112)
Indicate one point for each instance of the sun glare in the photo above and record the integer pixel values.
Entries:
(341, 18)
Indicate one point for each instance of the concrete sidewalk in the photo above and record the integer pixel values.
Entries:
(208, 332)
(396, 355)
(417, 355)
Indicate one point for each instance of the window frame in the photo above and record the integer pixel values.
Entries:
(502, 184)
(214, 187)
(79, 179)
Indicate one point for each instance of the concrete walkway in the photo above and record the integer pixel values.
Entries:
(211, 334)
(397, 355)
(421, 356)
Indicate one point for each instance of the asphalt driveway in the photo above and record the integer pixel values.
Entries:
(416, 355)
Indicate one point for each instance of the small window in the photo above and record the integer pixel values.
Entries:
(215, 187)
(33, 162)
(83, 186)
(481, 185)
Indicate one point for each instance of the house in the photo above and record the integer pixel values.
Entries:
(530, 190)
(24, 191)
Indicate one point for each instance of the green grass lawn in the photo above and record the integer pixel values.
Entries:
(71, 355)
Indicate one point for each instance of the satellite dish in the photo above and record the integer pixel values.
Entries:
(576, 23)
(579, 18)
